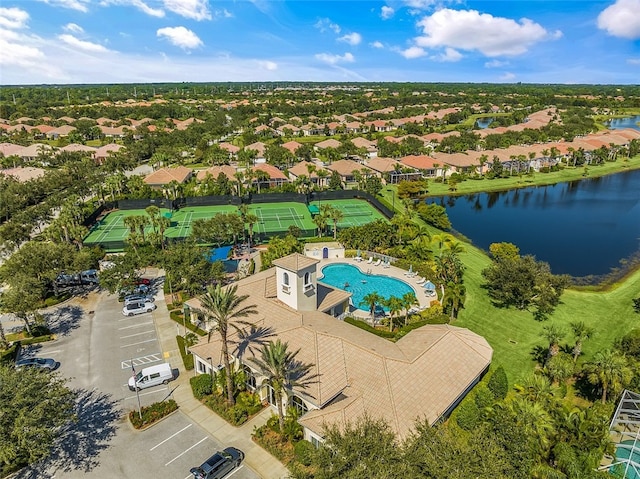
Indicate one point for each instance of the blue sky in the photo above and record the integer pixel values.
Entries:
(118, 41)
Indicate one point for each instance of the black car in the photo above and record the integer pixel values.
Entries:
(219, 465)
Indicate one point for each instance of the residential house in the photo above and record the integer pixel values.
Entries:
(61, 131)
(104, 151)
(260, 148)
(36, 151)
(10, 149)
(164, 176)
(392, 171)
(292, 146)
(276, 176)
(23, 173)
(370, 146)
(302, 168)
(347, 168)
(214, 171)
(424, 375)
(329, 143)
(77, 148)
(427, 165)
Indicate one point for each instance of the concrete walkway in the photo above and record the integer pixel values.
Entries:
(265, 465)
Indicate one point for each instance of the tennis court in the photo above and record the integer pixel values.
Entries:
(277, 217)
(111, 228)
(356, 212)
(183, 218)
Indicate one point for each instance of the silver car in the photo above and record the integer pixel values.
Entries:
(40, 363)
(138, 298)
(138, 308)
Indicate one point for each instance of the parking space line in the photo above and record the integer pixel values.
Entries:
(145, 394)
(137, 334)
(139, 361)
(171, 437)
(54, 352)
(186, 451)
(139, 342)
(235, 470)
(135, 325)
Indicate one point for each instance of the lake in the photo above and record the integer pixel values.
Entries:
(580, 228)
(626, 122)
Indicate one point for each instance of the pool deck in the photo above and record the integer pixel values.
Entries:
(391, 271)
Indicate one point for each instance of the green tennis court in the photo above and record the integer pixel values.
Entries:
(277, 217)
(183, 218)
(356, 212)
(112, 227)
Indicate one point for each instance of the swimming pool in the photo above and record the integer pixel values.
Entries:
(349, 278)
(626, 453)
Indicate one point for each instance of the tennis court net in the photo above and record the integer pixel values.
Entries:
(281, 217)
(357, 213)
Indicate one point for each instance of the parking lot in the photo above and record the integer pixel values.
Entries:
(96, 348)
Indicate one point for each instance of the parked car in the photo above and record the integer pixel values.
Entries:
(138, 298)
(138, 308)
(140, 290)
(219, 465)
(40, 363)
(151, 376)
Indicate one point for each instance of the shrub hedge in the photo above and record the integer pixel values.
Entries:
(187, 359)
(201, 385)
(152, 413)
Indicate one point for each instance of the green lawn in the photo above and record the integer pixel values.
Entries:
(514, 334)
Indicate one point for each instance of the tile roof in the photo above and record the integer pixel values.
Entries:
(420, 376)
(214, 171)
(164, 176)
(330, 143)
(295, 262)
(273, 172)
(347, 167)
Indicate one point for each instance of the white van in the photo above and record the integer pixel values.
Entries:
(151, 376)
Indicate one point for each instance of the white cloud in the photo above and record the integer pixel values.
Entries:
(194, 9)
(633, 61)
(80, 5)
(13, 18)
(508, 76)
(420, 4)
(449, 55)
(472, 30)
(268, 65)
(180, 36)
(622, 19)
(224, 13)
(376, 44)
(82, 44)
(495, 64)
(351, 38)
(413, 52)
(139, 4)
(325, 24)
(387, 12)
(73, 28)
(334, 59)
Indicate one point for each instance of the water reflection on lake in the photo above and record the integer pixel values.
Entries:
(580, 228)
(626, 122)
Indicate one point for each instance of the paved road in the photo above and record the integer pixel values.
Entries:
(95, 347)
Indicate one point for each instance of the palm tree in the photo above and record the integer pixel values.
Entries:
(553, 334)
(321, 222)
(372, 300)
(454, 295)
(534, 419)
(251, 220)
(535, 388)
(221, 308)
(609, 370)
(336, 217)
(408, 300)
(581, 332)
(395, 305)
(283, 372)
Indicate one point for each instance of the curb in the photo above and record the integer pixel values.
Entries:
(148, 426)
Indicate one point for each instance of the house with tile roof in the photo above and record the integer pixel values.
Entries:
(347, 168)
(77, 148)
(23, 173)
(292, 146)
(302, 168)
(276, 176)
(61, 131)
(164, 176)
(9, 149)
(391, 171)
(260, 148)
(329, 143)
(427, 165)
(424, 375)
(214, 172)
(105, 151)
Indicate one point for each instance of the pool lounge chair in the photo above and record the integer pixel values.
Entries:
(370, 260)
(386, 264)
(421, 280)
(377, 263)
(357, 258)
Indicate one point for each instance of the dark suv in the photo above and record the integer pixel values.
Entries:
(219, 465)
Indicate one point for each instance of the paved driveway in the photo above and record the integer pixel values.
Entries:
(96, 345)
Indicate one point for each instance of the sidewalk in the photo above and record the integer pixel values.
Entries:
(265, 465)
